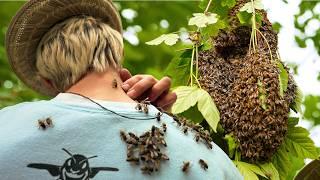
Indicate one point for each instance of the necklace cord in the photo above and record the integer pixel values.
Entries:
(106, 109)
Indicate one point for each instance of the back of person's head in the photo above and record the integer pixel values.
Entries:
(75, 47)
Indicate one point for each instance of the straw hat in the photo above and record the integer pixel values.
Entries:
(34, 19)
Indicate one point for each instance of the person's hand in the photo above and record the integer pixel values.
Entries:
(139, 87)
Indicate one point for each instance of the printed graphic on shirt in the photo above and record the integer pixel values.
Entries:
(76, 168)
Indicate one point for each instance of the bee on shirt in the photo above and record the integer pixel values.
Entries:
(164, 127)
(45, 123)
(203, 164)
(123, 135)
(185, 167)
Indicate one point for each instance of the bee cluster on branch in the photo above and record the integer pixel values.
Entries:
(245, 86)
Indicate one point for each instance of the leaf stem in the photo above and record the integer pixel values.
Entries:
(265, 39)
(191, 66)
(197, 62)
(199, 85)
(207, 8)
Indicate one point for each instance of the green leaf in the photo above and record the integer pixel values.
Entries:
(249, 171)
(208, 109)
(168, 39)
(213, 29)
(283, 79)
(281, 161)
(187, 96)
(276, 26)
(300, 144)
(293, 121)
(193, 114)
(244, 17)
(232, 145)
(179, 68)
(270, 171)
(249, 6)
(312, 109)
(228, 3)
(301, 42)
(296, 165)
(203, 20)
(296, 106)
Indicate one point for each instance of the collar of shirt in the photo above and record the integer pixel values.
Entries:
(119, 107)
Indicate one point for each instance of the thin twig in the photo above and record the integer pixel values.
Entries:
(205, 11)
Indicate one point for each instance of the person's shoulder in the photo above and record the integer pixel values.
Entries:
(22, 106)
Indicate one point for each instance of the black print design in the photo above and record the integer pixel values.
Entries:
(74, 168)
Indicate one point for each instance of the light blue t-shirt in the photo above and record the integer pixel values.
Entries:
(82, 130)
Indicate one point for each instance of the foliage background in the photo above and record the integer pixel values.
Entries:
(143, 21)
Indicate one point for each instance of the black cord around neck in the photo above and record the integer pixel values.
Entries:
(104, 108)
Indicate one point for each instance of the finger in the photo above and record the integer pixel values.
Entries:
(124, 74)
(159, 88)
(166, 100)
(129, 83)
(141, 87)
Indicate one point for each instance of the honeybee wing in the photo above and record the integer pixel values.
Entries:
(94, 171)
(54, 170)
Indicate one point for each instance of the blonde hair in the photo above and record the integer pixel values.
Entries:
(76, 46)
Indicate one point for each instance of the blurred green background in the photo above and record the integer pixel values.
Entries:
(145, 20)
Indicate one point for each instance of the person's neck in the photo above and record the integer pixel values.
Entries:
(100, 86)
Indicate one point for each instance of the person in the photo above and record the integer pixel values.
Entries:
(93, 128)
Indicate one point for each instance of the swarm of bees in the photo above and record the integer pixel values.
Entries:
(142, 106)
(45, 123)
(146, 149)
(230, 73)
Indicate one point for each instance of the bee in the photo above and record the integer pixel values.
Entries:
(159, 116)
(203, 164)
(133, 136)
(197, 137)
(138, 107)
(164, 127)
(133, 159)
(49, 122)
(41, 124)
(45, 123)
(145, 108)
(147, 169)
(163, 142)
(164, 157)
(132, 141)
(153, 130)
(123, 135)
(114, 83)
(209, 145)
(185, 130)
(185, 167)
(145, 134)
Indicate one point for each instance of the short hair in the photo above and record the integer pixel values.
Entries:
(75, 47)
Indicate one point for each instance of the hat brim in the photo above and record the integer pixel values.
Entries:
(34, 19)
